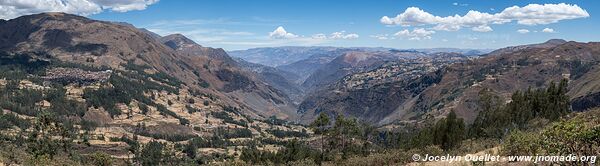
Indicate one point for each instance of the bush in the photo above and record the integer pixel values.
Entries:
(521, 143)
(571, 137)
(211, 142)
(100, 159)
(234, 133)
(164, 111)
(8, 120)
(191, 109)
(143, 108)
(21, 101)
(151, 154)
(228, 119)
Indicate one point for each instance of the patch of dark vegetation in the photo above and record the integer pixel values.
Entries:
(495, 119)
(419, 85)
(229, 133)
(447, 133)
(21, 101)
(576, 67)
(586, 102)
(202, 83)
(235, 81)
(17, 66)
(93, 48)
(191, 148)
(284, 133)
(55, 38)
(158, 76)
(126, 86)
(125, 90)
(8, 120)
(61, 105)
(172, 44)
(164, 111)
(191, 109)
(228, 119)
(210, 142)
(293, 151)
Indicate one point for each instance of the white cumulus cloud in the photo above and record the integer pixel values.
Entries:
(335, 36)
(381, 36)
(482, 28)
(343, 35)
(548, 30)
(281, 33)
(411, 16)
(14, 8)
(532, 14)
(415, 34)
(523, 31)
(125, 5)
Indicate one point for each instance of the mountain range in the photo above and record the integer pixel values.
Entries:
(311, 79)
(113, 87)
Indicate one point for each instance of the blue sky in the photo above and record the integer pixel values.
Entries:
(242, 24)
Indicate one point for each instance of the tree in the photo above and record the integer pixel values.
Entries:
(342, 130)
(41, 140)
(100, 159)
(453, 131)
(319, 126)
(496, 121)
(190, 149)
(151, 154)
(447, 133)
(521, 143)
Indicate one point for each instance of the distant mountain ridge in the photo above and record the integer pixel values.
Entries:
(547, 44)
(278, 56)
(303, 61)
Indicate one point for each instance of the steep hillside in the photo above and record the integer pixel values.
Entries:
(380, 95)
(505, 73)
(458, 86)
(278, 79)
(352, 62)
(216, 68)
(121, 46)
